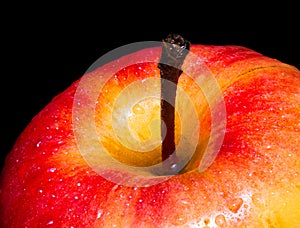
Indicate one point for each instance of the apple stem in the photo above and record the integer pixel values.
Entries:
(174, 51)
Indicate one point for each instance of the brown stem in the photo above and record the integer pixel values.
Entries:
(174, 51)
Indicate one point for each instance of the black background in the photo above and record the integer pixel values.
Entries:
(46, 47)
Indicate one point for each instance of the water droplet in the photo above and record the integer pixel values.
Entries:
(49, 136)
(99, 213)
(38, 144)
(236, 205)
(114, 188)
(220, 220)
(184, 202)
(51, 170)
(173, 166)
(206, 221)
(50, 222)
(180, 221)
(138, 109)
(257, 199)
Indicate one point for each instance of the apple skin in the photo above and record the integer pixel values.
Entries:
(253, 182)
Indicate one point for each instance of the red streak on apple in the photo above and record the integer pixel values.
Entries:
(254, 180)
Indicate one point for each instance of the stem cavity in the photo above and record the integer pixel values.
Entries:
(173, 54)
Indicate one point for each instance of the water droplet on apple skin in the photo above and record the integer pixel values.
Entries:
(179, 221)
(220, 220)
(51, 222)
(51, 170)
(99, 213)
(257, 199)
(173, 166)
(38, 143)
(138, 109)
(235, 205)
(206, 221)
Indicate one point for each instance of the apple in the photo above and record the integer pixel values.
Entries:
(92, 156)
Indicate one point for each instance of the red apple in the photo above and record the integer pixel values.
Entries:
(54, 175)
